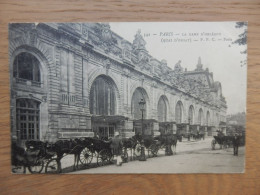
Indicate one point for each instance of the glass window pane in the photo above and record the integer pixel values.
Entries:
(28, 119)
(26, 66)
(102, 97)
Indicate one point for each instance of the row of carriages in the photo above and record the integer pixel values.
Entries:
(226, 141)
(38, 156)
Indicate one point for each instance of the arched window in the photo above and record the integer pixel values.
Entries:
(208, 118)
(26, 67)
(162, 110)
(136, 98)
(191, 115)
(102, 97)
(178, 112)
(27, 115)
(200, 117)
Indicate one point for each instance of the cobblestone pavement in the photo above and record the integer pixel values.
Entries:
(191, 157)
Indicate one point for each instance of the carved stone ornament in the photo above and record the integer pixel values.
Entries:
(139, 42)
(126, 72)
(154, 84)
(103, 37)
(107, 64)
(177, 67)
(85, 32)
(33, 37)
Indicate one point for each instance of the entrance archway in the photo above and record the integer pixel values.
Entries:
(162, 109)
(191, 115)
(103, 96)
(200, 117)
(103, 107)
(208, 118)
(139, 94)
(179, 112)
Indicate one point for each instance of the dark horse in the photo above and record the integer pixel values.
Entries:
(167, 141)
(72, 146)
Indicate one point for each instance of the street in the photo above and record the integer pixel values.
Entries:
(191, 157)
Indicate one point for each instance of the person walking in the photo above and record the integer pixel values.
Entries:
(116, 147)
(235, 144)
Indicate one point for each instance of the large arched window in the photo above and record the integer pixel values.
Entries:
(27, 117)
(139, 94)
(102, 97)
(208, 118)
(200, 119)
(162, 110)
(27, 67)
(191, 115)
(178, 112)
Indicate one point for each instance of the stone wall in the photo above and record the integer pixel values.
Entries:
(69, 65)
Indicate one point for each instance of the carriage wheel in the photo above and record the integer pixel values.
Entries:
(85, 156)
(154, 150)
(104, 156)
(36, 168)
(213, 143)
(53, 166)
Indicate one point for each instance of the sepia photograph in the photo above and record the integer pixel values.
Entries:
(128, 97)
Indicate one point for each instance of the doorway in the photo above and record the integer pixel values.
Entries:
(105, 132)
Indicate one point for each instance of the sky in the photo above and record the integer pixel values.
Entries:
(187, 41)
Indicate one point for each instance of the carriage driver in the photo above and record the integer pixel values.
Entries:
(116, 147)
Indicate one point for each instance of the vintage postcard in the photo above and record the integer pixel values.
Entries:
(130, 97)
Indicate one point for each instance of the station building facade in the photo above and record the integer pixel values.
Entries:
(81, 79)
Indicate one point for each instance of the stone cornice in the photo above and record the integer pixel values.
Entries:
(78, 39)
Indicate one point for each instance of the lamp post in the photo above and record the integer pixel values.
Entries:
(142, 106)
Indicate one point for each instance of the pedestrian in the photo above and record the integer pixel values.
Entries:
(235, 144)
(116, 147)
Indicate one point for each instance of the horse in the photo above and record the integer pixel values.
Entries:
(169, 142)
(71, 146)
(129, 143)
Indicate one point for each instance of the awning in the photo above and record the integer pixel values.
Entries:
(109, 119)
(166, 123)
(222, 123)
(145, 121)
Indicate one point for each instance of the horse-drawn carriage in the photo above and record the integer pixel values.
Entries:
(223, 141)
(226, 141)
(154, 144)
(34, 157)
(38, 154)
(84, 150)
